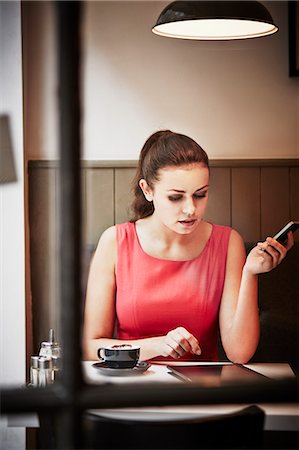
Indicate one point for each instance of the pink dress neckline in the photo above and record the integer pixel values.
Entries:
(173, 260)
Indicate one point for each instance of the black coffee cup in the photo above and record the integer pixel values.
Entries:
(120, 356)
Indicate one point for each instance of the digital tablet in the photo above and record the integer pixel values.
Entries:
(216, 375)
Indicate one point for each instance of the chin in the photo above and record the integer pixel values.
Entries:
(181, 230)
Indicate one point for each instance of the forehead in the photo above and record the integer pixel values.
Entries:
(194, 175)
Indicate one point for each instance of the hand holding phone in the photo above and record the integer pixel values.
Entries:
(275, 251)
(282, 235)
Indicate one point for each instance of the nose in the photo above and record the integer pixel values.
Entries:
(189, 207)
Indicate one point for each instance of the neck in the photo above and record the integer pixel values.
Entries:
(169, 237)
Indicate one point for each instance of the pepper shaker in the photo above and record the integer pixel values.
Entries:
(51, 349)
(45, 373)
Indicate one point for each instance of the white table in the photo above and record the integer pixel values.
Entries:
(282, 416)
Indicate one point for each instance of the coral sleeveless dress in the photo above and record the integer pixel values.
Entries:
(155, 296)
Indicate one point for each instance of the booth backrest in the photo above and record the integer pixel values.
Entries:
(278, 293)
(278, 304)
(243, 194)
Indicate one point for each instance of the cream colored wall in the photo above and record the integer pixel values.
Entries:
(235, 98)
(12, 234)
(12, 239)
(40, 80)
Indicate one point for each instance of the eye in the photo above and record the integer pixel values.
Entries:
(174, 198)
(202, 195)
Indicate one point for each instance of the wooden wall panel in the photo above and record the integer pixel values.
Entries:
(275, 198)
(43, 253)
(219, 204)
(255, 197)
(246, 202)
(294, 190)
(99, 203)
(123, 193)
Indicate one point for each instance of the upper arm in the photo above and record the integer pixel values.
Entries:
(235, 261)
(101, 287)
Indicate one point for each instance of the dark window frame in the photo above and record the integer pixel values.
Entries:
(67, 399)
(293, 13)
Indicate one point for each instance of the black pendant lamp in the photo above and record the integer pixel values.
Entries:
(215, 20)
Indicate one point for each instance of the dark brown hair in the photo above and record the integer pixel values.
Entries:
(162, 149)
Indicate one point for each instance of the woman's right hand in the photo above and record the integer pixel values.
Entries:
(179, 341)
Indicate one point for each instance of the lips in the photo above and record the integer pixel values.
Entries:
(187, 222)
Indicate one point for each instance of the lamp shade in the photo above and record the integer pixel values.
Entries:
(7, 164)
(215, 20)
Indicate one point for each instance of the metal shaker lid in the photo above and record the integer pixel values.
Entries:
(47, 344)
(34, 361)
(45, 363)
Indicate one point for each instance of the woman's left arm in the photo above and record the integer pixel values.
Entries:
(239, 315)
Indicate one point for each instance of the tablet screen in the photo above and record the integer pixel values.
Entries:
(216, 375)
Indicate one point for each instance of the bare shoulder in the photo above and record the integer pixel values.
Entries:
(236, 243)
(108, 237)
(106, 247)
(235, 237)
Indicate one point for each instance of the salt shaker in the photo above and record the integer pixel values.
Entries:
(34, 371)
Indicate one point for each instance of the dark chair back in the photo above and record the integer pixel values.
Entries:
(242, 429)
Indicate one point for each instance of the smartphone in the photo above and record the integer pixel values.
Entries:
(282, 235)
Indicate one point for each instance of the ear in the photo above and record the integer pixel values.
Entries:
(147, 192)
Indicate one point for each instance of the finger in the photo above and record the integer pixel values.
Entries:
(169, 351)
(180, 340)
(181, 336)
(280, 250)
(290, 241)
(273, 249)
(184, 343)
(266, 259)
(176, 349)
(191, 339)
(262, 247)
(174, 340)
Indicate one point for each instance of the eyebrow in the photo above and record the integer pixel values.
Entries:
(182, 192)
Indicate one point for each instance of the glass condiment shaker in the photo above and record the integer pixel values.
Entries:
(34, 371)
(45, 372)
(51, 349)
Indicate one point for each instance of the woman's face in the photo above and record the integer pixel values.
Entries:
(180, 196)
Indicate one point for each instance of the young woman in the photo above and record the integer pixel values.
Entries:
(168, 279)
